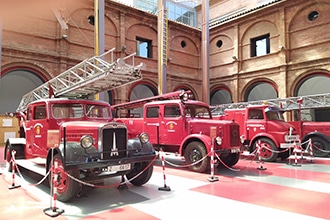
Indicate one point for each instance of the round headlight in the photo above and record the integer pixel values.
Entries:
(218, 140)
(86, 141)
(144, 137)
(242, 138)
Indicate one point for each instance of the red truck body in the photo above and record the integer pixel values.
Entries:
(187, 128)
(83, 137)
(317, 132)
(264, 124)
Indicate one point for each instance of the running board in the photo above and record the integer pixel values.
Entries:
(32, 165)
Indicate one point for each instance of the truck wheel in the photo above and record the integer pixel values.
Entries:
(230, 159)
(194, 152)
(267, 151)
(319, 146)
(143, 177)
(19, 153)
(284, 155)
(67, 188)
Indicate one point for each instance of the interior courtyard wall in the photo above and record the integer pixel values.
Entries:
(287, 61)
(45, 48)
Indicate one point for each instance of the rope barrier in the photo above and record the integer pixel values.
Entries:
(319, 149)
(212, 154)
(188, 165)
(111, 186)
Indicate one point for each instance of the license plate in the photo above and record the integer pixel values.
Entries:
(289, 138)
(121, 167)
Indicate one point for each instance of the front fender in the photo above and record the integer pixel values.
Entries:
(136, 148)
(207, 141)
(74, 153)
(261, 135)
(315, 134)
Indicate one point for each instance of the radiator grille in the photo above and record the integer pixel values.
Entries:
(234, 135)
(114, 142)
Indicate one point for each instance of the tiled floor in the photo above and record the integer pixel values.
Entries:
(282, 191)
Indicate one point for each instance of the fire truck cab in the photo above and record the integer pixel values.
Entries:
(59, 125)
(186, 127)
(264, 124)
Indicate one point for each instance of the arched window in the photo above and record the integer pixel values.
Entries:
(312, 85)
(15, 84)
(260, 91)
(139, 92)
(221, 96)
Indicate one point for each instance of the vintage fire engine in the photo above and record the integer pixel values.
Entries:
(263, 125)
(179, 125)
(78, 133)
(308, 114)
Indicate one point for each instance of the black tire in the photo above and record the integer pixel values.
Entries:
(284, 155)
(143, 177)
(267, 151)
(67, 188)
(195, 151)
(19, 148)
(320, 147)
(230, 159)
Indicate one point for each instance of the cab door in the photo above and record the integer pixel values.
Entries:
(36, 130)
(152, 123)
(171, 127)
(256, 123)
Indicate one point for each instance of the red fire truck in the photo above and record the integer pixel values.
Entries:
(263, 124)
(78, 133)
(309, 115)
(179, 125)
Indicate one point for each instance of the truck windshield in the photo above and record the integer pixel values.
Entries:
(67, 111)
(97, 111)
(275, 115)
(195, 111)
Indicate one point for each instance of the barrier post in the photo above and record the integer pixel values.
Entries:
(53, 211)
(212, 178)
(310, 146)
(259, 157)
(13, 165)
(295, 149)
(165, 187)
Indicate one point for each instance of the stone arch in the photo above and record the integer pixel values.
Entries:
(312, 35)
(221, 54)
(147, 84)
(140, 90)
(41, 72)
(257, 29)
(260, 89)
(183, 45)
(17, 80)
(142, 31)
(80, 30)
(220, 94)
(317, 82)
(227, 43)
